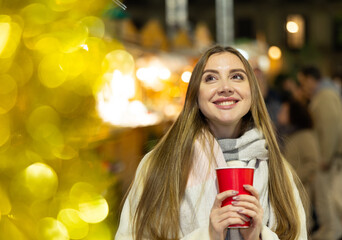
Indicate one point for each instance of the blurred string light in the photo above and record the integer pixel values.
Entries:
(153, 74)
(114, 98)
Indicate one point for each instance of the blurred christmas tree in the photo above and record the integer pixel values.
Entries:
(53, 184)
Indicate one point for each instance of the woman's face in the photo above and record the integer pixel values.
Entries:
(224, 95)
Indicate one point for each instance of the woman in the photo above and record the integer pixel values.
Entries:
(174, 195)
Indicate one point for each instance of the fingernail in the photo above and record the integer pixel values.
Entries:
(236, 197)
(235, 192)
(246, 186)
(234, 202)
(240, 210)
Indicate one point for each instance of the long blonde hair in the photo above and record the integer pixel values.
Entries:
(157, 214)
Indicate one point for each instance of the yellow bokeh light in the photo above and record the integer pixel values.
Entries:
(92, 206)
(38, 14)
(274, 52)
(9, 38)
(61, 5)
(47, 44)
(41, 121)
(119, 60)
(41, 180)
(51, 73)
(96, 27)
(5, 131)
(51, 229)
(93, 209)
(76, 227)
(70, 35)
(8, 93)
(292, 27)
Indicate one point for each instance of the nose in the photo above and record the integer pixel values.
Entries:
(225, 87)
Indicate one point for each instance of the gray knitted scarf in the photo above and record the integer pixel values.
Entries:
(250, 146)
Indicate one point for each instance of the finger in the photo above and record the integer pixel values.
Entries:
(246, 205)
(252, 190)
(222, 196)
(225, 212)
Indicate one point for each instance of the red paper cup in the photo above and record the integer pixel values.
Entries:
(233, 178)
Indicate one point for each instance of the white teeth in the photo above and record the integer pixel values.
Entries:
(226, 103)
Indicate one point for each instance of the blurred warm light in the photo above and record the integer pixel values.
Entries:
(50, 228)
(274, 52)
(244, 53)
(114, 105)
(152, 72)
(264, 63)
(171, 111)
(76, 227)
(292, 27)
(186, 76)
(95, 25)
(43, 125)
(164, 73)
(295, 25)
(119, 60)
(41, 180)
(93, 208)
(51, 72)
(9, 37)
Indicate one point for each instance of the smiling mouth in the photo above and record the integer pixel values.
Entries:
(226, 103)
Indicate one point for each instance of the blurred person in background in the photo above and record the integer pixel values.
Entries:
(326, 110)
(287, 86)
(224, 122)
(301, 149)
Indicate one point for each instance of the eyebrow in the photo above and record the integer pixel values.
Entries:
(231, 71)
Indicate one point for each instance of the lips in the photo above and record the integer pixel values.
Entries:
(225, 102)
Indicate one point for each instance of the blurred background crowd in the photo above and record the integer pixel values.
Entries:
(88, 87)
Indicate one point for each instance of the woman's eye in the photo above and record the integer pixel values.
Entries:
(209, 78)
(238, 76)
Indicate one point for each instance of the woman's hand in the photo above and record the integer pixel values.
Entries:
(222, 217)
(251, 207)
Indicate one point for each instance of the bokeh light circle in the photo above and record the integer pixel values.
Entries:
(119, 60)
(51, 229)
(43, 122)
(76, 227)
(96, 27)
(51, 72)
(92, 206)
(41, 180)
